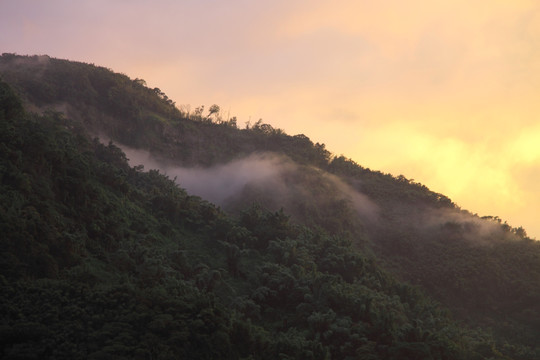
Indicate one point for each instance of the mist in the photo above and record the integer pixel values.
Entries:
(273, 180)
(309, 194)
(467, 226)
(305, 192)
(221, 183)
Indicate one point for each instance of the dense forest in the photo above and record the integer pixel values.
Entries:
(321, 259)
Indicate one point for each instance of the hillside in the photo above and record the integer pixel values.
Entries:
(314, 270)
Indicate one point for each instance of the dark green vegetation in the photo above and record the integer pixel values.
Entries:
(103, 260)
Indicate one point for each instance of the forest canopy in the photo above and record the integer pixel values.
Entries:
(104, 260)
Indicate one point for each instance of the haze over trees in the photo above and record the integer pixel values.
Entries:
(320, 258)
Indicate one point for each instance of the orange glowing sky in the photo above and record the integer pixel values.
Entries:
(444, 92)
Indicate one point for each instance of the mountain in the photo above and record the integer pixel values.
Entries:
(287, 251)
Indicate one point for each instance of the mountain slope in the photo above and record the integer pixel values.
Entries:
(101, 260)
(474, 266)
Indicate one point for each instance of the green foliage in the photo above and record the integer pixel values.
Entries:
(10, 105)
(133, 114)
(101, 260)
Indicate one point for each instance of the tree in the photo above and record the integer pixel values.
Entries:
(233, 122)
(140, 82)
(214, 110)
(197, 113)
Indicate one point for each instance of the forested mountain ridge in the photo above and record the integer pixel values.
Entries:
(81, 221)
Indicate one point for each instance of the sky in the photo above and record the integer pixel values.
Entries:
(442, 92)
